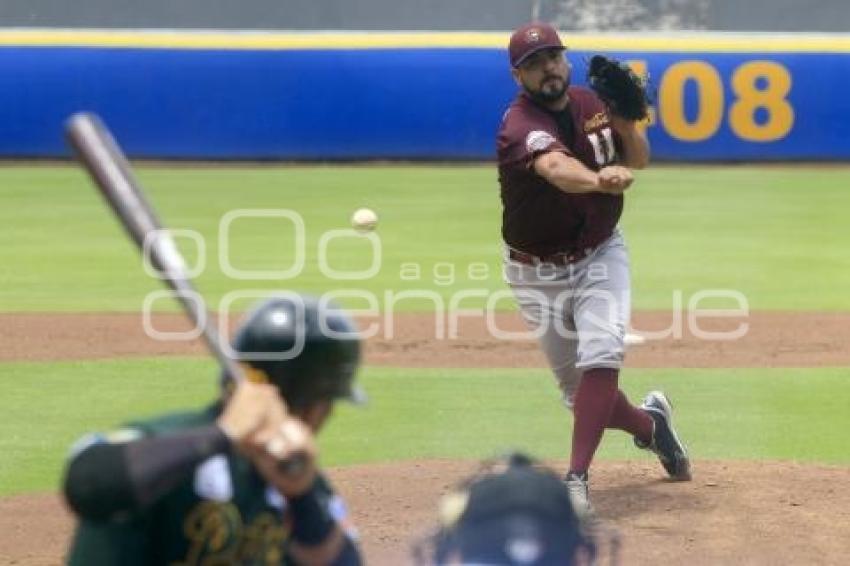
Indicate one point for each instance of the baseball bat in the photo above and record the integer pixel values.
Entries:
(108, 167)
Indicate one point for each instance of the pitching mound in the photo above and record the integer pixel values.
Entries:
(733, 512)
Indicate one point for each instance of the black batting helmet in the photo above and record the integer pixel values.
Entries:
(308, 348)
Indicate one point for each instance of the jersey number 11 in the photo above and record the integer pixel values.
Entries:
(603, 146)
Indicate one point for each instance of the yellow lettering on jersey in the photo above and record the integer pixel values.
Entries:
(217, 536)
(211, 529)
(263, 541)
(599, 120)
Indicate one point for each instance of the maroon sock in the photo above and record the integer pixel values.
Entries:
(592, 406)
(627, 417)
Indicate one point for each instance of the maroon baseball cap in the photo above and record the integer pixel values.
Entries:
(531, 38)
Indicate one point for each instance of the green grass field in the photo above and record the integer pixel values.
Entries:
(751, 414)
(776, 234)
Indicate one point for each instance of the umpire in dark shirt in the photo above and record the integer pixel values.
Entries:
(516, 513)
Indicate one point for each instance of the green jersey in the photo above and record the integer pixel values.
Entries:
(222, 513)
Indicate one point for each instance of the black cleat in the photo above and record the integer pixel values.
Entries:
(665, 441)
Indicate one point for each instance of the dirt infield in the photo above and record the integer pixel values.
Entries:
(773, 339)
(732, 513)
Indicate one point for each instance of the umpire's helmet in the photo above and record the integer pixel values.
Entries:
(519, 515)
(308, 348)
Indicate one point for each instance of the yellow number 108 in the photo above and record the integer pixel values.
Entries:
(756, 84)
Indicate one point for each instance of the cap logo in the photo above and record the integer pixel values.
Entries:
(533, 35)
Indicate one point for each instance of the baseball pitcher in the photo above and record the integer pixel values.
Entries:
(566, 156)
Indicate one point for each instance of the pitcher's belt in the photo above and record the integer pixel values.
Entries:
(560, 259)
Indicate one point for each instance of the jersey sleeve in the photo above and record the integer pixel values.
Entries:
(118, 475)
(527, 136)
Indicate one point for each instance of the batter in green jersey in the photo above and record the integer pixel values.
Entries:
(236, 483)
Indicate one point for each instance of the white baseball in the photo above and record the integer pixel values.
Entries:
(364, 220)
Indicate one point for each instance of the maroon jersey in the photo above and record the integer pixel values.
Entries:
(538, 218)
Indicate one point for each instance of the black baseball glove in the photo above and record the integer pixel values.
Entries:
(619, 87)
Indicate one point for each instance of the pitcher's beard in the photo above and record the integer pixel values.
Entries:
(545, 97)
